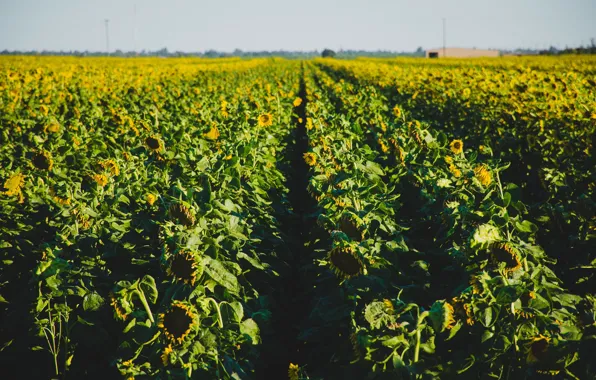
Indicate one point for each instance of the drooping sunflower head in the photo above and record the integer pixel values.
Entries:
(178, 321)
(43, 160)
(483, 175)
(505, 252)
(345, 262)
(441, 315)
(265, 120)
(352, 225)
(184, 267)
(456, 146)
(154, 143)
(122, 307)
(182, 213)
(537, 348)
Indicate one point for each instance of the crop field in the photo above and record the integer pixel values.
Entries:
(286, 219)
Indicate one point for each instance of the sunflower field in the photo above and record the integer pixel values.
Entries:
(284, 219)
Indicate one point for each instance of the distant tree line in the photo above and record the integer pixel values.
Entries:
(219, 54)
(588, 49)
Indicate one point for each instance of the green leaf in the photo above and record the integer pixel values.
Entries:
(250, 328)
(526, 226)
(130, 325)
(149, 288)
(92, 301)
(218, 272)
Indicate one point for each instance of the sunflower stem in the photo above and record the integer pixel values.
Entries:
(145, 304)
(219, 318)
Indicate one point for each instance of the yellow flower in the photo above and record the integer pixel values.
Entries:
(456, 146)
(297, 102)
(213, 134)
(265, 120)
(44, 109)
(52, 127)
(14, 184)
(150, 198)
(165, 356)
(449, 159)
(455, 171)
(483, 175)
(43, 160)
(345, 262)
(154, 143)
(184, 267)
(111, 166)
(100, 179)
(178, 321)
(310, 159)
(397, 111)
(228, 157)
(504, 252)
(293, 372)
(309, 124)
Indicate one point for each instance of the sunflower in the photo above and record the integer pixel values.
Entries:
(150, 198)
(352, 225)
(297, 102)
(178, 321)
(537, 348)
(184, 267)
(455, 171)
(111, 166)
(182, 213)
(397, 111)
(165, 356)
(293, 372)
(265, 120)
(476, 285)
(483, 175)
(504, 252)
(212, 135)
(43, 160)
(14, 184)
(345, 262)
(309, 124)
(154, 143)
(441, 314)
(456, 146)
(310, 159)
(100, 179)
(121, 307)
(52, 127)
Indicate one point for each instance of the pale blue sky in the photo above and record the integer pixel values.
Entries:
(293, 25)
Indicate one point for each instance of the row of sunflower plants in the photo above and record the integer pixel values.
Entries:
(538, 114)
(438, 269)
(139, 232)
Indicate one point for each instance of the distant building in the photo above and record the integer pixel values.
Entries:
(461, 53)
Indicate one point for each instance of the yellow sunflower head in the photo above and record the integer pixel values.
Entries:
(397, 111)
(505, 252)
(293, 372)
(182, 213)
(14, 184)
(297, 102)
(154, 143)
(456, 146)
(345, 262)
(310, 158)
(150, 198)
(184, 267)
(100, 179)
(111, 166)
(43, 160)
(483, 175)
(213, 134)
(265, 120)
(178, 321)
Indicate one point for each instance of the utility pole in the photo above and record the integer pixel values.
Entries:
(444, 37)
(107, 37)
